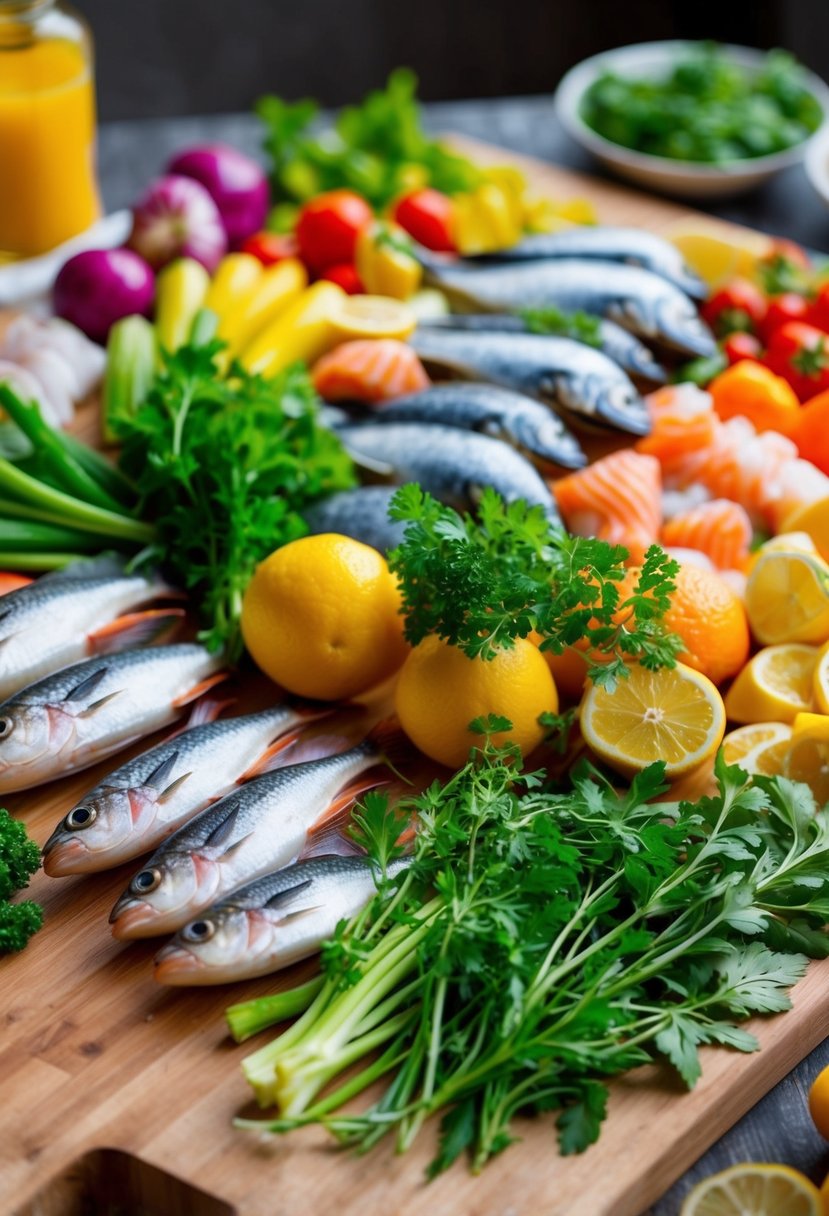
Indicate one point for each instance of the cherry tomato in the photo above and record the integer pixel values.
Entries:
(328, 226)
(271, 247)
(739, 305)
(818, 314)
(790, 306)
(427, 216)
(800, 353)
(739, 346)
(344, 274)
(782, 247)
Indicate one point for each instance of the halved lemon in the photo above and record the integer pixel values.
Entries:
(787, 598)
(774, 686)
(718, 253)
(814, 519)
(759, 747)
(754, 1190)
(820, 681)
(807, 758)
(373, 317)
(675, 715)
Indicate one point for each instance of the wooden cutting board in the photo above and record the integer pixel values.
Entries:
(94, 1056)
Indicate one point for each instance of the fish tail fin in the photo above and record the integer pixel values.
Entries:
(133, 629)
(202, 687)
(333, 823)
(390, 744)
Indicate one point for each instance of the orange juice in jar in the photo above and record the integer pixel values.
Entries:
(48, 184)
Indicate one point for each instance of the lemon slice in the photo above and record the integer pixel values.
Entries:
(373, 317)
(787, 598)
(820, 681)
(754, 1190)
(774, 686)
(675, 715)
(716, 253)
(813, 519)
(807, 758)
(759, 748)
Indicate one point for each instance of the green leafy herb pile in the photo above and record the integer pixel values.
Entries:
(708, 108)
(378, 148)
(481, 583)
(19, 859)
(224, 465)
(541, 943)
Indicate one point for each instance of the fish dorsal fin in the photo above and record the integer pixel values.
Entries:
(224, 830)
(87, 685)
(298, 914)
(167, 794)
(98, 705)
(284, 897)
(163, 770)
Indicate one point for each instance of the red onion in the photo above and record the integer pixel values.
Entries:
(237, 185)
(94, 289)
(178, 218)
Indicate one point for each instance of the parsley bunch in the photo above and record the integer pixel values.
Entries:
(224, 466)
(19, 859)
(481, 583)
(541, 943)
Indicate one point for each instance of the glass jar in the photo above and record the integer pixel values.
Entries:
(48, 182)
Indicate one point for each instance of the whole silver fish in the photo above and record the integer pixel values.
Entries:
(362, 514)
(637, 299)
(248, 834)
(270, 923)
(72, 614)
(606, 243)
(86, 712)
(522, 421)
(618, 344)
(453, 465)
(136, 807)
(566, 374)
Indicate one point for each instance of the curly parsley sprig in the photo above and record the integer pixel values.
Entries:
(480, 584)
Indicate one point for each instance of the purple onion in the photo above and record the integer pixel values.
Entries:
(237, 185)
(177, 218)
(94, 289)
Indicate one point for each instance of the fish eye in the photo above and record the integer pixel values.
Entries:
(145, 881)
(198, 931)
(5, 727)
(80, 817)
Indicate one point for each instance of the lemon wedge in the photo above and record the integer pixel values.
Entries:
(675, 715)
(774, 686)
(787, 598)
(807, 758)
(718, 253)
(373, 317)
(813, 518)
(754, 1190)
(820, 681)
(759, 748)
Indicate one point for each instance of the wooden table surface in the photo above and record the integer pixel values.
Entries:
(778, 1128)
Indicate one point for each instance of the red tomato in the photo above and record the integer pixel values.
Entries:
(271, 247)
(739, 346)
(819, 309)
(327, 228)
(12, 582)
(790, 306)
(800, 353)
(427, 216)
(739, 305)
(796, 255)
(345, 275)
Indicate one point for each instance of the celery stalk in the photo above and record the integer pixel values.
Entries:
(63, 508)
(25, 536)
(38, 563)
(249, 1017)
(131, 355)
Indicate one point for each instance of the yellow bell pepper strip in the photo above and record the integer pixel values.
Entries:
(278, 286)
(485, 220)
(236, 279)
(181, 289)
(302, 331)
(385, 262)
(542, 214)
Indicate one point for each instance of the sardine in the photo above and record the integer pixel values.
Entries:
(453, 465)
(604, 243)
(75, 613)
(140, 804)
(246, 835)
(564, 373)
(362, 514)
(84, 713)
(521, 421)
(637, 299)
(618, 344)
(270, 923)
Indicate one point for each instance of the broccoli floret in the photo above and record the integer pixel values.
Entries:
(19, 859)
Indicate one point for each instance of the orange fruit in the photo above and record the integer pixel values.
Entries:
(440, 691)
(819, 1102)
(321, 617)
(751, 390)
(812, 431)
(569, 670)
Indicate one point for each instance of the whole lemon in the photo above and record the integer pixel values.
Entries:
(440, 691)
(321, 617)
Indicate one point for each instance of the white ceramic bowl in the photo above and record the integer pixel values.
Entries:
(679, 177)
